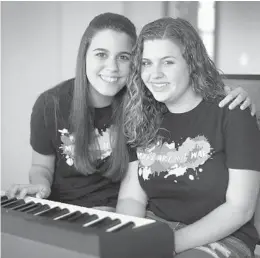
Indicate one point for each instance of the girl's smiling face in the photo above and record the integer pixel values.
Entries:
(108, 62)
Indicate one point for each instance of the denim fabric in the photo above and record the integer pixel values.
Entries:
(229, 247)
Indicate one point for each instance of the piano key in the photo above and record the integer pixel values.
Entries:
(3, 198)
(13, 204)
(113, 223)
(62, 213)
(85, 218)
(100, 223)
(93, 222)
(54, 212)
(8, 201)
(30, 207)
(23, 206)
(69, 217)
(105, 223)
(47, 212)
(39, 209)
(127, 225)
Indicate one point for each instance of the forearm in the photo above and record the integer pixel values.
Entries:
(218, 224)
(131, 207)
(40, 174)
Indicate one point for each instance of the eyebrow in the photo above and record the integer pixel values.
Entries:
(169, 57)
(100, 49)
(165, 57)
(105, 50)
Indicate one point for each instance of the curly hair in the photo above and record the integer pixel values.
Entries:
(142, 113)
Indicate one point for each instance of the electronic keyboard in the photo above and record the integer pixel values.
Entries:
(39, 228)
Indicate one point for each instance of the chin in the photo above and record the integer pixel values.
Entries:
(110, 93)
(160, 99)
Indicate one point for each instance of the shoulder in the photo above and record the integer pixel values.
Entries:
(59, 94)
(231, 117)
(62, 90)
(239, 117)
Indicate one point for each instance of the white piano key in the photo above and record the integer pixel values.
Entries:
(61, 216)
(91, 222)
(40, 212)
(111, 229)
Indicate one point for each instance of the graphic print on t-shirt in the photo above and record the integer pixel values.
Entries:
(103, 140)
(174, 160)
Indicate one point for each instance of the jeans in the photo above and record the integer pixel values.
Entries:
(229, 247)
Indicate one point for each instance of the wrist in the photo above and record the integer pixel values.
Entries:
(39, 180)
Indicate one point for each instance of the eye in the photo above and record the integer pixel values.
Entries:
(145, 62)
(101, 55)
(168, 62)
(124, 57)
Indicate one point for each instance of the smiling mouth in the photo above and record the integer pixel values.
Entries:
(158, 86)
(109, 79)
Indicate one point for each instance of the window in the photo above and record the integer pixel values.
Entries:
(206, 25)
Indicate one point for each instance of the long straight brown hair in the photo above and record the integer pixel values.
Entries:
(82, 114)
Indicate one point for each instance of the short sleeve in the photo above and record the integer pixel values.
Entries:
(242, 140)
(40, 126)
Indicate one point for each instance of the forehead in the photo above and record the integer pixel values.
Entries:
(111, 40)
(159, 48)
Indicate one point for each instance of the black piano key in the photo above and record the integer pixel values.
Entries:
(3, 198)
(13, 204)
(54, 212)
(113, 223)
(105, 223)
(28, 207)
(85, 218)
(61, 212)
(50, 212)
(22, 205)
(8, 200)
(39, 209)
(128, 225)
(70, 217)
(101, 222)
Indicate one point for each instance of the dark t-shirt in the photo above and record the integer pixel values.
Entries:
(50, 134)
(186, 176)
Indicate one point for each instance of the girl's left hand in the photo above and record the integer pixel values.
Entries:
(239, 97)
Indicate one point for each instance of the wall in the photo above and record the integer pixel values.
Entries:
(39, 47)
(238, 37)
(30, 64)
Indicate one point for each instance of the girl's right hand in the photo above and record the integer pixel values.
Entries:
(21, 190)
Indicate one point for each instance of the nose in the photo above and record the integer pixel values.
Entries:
(156, 72)
(112, 64)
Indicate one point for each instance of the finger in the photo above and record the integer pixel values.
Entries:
(14, 189)
(227, 89)
(23, 193)
(253, 109)
(39, 195)
(226, 100)
(43, 193)
(236, 102)
(246, 103)
(237, 91)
